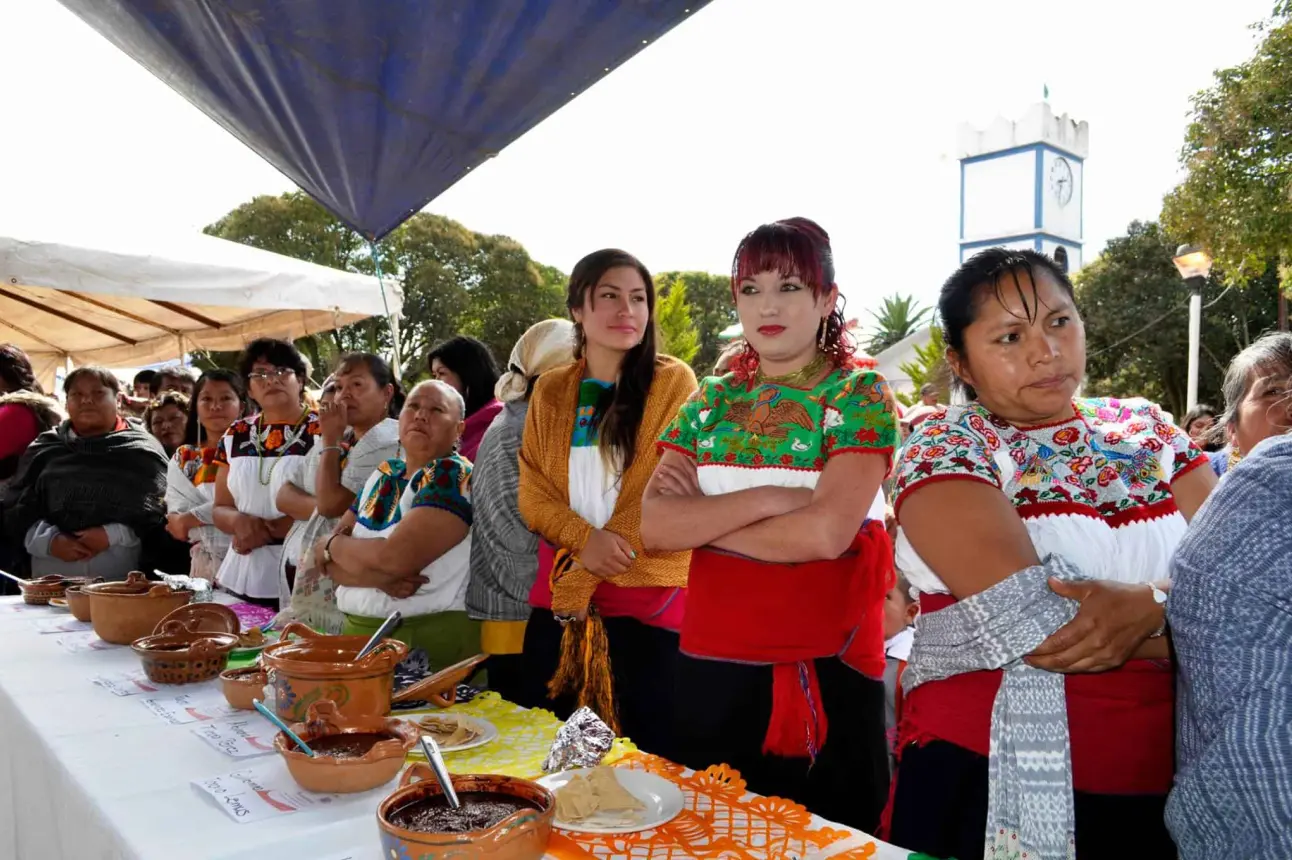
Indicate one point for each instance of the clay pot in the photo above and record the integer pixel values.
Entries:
(37, 592)
(78, 602)
(328, 774)
(315, 667)
(522, 836)
(125, 611)
(241, 686)
(184, 658)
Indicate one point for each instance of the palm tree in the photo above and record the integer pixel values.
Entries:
(899, 318)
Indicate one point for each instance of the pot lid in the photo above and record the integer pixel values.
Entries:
(202, 618)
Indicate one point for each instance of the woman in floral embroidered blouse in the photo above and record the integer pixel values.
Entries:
(1023, 483)
(405, 544)
(771, 475)
(249, 455)
(190, 480)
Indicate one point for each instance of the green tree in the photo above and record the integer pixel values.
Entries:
(673, 319)
(1236, 199)
(454, 280)
(712, 310)
(930, 365)
(1135, 309)
(897, 319)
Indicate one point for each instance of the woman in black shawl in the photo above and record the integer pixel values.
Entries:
(89, 495)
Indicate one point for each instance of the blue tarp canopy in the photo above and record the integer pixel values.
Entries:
(375, 107)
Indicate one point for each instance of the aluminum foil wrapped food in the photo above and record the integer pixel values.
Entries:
(583, 741)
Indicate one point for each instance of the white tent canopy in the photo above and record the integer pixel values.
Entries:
(134, 300)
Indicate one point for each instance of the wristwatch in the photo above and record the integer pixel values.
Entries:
(1159, 597)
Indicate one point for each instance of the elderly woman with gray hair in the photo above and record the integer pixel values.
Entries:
(1255, 384)
(504, 552)
(405, 544)
(1230, 614)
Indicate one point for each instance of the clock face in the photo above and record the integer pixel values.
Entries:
(1061, 181)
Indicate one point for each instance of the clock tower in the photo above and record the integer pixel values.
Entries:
(1021, 185)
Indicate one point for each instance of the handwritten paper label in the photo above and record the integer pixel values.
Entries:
(62, 625)
(260, 792)
(239, 737)
(21, 608)
(190, 707)
(78, 643)
(126, 683)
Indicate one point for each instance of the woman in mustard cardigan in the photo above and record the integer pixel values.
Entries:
(603, 632)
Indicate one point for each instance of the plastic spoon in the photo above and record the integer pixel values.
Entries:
(273, 718)
(432, 752)
(387, 627)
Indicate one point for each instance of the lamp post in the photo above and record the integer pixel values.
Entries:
(1194, 265)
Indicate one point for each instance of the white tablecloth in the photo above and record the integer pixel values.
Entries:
(85, 774)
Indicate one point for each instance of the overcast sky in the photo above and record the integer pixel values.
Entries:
(845, 111)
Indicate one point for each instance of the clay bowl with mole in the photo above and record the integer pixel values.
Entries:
(351, 754)
(502, 818)
(242, 686)
(125, 611)
(184, 657)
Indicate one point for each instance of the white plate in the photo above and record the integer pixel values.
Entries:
(60, 605)
(663, 801)
(270, 638)
(488, 732)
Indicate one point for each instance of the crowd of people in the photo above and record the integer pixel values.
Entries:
(1029, 624)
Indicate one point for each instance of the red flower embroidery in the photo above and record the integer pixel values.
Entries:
(1066, 436)
(730, 456)
(1018, 455)
(674, 433)
(1079, 465)
(787, 460)
(935, 451)
(1152, 444)
(1107, 475)
(912, 453)
(1112, 437)
(1164, 432)
(758, 459)
(867, 436)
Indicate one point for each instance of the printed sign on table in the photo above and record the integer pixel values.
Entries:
(19, 608)
(126, 683)
(79, 643)
(192, 707)
(65, 624)
(239, 737)
(263, 791)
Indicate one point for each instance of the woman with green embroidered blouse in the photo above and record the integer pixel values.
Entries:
(405, 545)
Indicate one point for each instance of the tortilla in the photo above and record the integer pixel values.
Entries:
(600, 794)
(447, 731)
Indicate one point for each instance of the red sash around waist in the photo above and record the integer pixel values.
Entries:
(1122, 723)
(787, 615)
(657, 606)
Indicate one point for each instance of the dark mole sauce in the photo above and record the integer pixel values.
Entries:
(480, 811)
(354, 745)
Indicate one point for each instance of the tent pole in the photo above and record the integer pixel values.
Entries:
(391, 319)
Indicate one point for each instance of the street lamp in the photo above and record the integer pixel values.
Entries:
(1194, 265)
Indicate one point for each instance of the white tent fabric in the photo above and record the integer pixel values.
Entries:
(128, 301)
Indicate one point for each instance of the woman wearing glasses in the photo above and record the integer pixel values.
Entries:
(252, 451)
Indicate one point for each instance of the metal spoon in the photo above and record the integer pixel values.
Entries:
(432, 752)
(387, 627)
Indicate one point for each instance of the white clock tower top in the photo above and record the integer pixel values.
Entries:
(1021, 185)
(1040, 125)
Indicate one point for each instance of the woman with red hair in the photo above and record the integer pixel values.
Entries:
(771, 474)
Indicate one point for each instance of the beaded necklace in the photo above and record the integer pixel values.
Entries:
(801, 378)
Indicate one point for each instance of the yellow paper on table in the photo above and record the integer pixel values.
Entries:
(524, 738)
